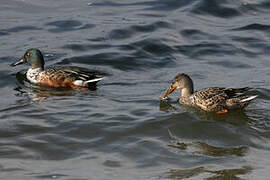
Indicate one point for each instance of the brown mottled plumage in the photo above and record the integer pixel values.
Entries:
(213, 99)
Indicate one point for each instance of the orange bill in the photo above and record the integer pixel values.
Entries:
(168, 91)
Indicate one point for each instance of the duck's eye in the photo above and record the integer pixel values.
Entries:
(28, 54)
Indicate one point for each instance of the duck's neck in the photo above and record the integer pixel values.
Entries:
(188, 90)
(39, 64)
(40, 68)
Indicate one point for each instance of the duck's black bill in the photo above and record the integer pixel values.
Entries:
(17, 63)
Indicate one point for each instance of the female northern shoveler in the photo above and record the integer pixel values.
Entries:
(213, 99)
(65, 77)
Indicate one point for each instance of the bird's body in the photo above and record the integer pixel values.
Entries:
(65, 77)
(212, 99)
(61, 77)
(217, 99)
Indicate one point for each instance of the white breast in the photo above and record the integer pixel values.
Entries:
(32, 75)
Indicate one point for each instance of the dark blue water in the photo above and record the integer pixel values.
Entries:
(122, 130)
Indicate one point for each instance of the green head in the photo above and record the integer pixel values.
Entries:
(32, 56)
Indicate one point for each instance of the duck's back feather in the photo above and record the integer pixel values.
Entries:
(68, 77)
(216, 98)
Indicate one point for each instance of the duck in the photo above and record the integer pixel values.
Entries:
(58, 77)
(212, 99)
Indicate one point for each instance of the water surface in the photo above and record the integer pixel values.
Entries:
(122, 130)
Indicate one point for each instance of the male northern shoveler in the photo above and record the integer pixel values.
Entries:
(213, 99)
(65, 77)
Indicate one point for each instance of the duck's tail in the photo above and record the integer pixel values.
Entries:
(239, 102)
(93, 80)
(85, 83)
(250, 98)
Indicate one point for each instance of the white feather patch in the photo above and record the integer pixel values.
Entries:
(84, 83)
(249, 98)
(78, 82)
(32, 75)
(93, 80)
(74, 72)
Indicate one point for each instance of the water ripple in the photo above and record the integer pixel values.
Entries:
(121, 127)
(216, 9)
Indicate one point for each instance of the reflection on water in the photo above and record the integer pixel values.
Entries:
(224, 174)
(166, 106)
(206, 149)
(209, 150)
(187, 173)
